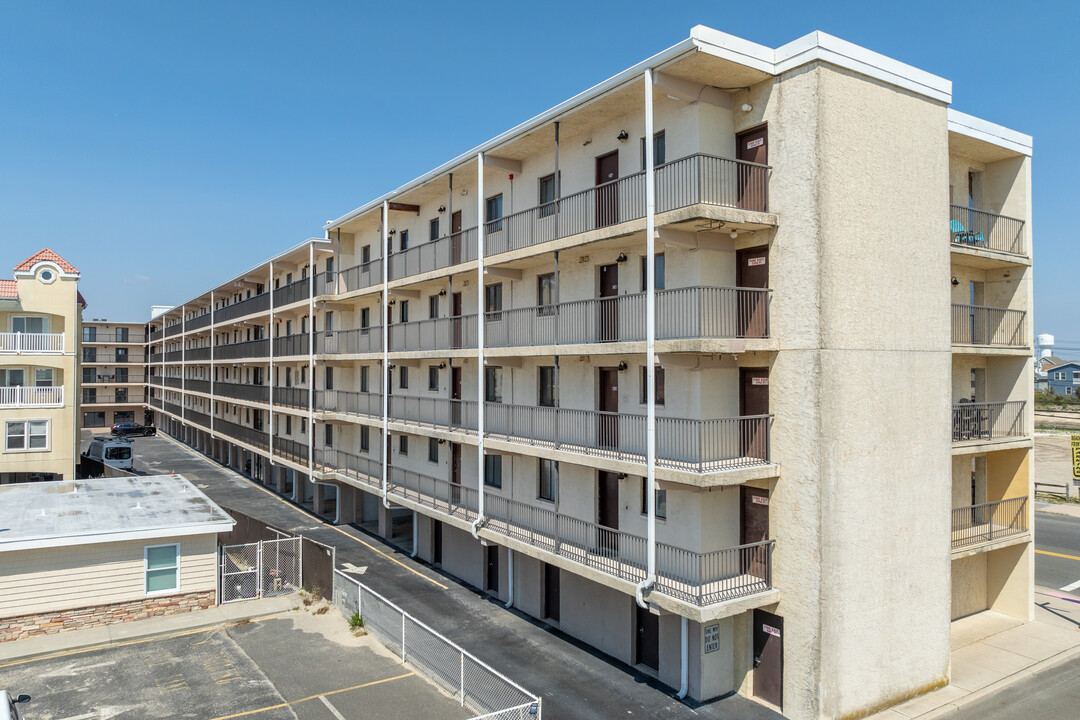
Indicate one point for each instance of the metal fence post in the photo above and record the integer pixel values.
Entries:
(462, 656)
(300, 554)
(402, 638)
(259, 569)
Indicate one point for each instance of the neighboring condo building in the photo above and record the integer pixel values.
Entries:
(40, 312)
(113, 373)
(830, 458)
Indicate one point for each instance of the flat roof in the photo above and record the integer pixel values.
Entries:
(83, 512)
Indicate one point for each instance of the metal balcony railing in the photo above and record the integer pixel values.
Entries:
(987, 230)
(249, 349)
(443, 413)
(445, 252)
(681, 444)
(154, 357)
(294, 397)
(197, 354)
(112, 398)
(979, 325)
(449, 333)
(251, 436)
(361, 276)
(197, 323)
(367, 470)
(157, 334)
(240, 391)
(292, 345)
(293, 292)
(683, 313)
(693, 577)
(18, 343)
(18, 397)
(172, 408)
(196, 417)
(349, 402)
(195, 385)
(986, 522)
(156, 402)
(174, 329)
(174, 356)
(291, 449)
(350, 342)
(988, 420)
(112, 338)
(256, 304)
(115, 378)
(173, 382)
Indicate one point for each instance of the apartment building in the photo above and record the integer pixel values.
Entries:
(40, 312)
(114, 363)
(721, 366)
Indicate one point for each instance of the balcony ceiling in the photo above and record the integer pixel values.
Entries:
(979, 150)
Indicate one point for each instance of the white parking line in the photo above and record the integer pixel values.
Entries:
(331, 708)
(1070, 587)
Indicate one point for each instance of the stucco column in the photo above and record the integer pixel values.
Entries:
(318, 498)
(346, 504)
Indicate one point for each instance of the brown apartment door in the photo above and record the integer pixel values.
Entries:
(455, 474)
(607, 420)
(753, 147)
(769, 657)
(753, 403)
(607, 512)
(456, 414)
(752, 271)
(552, 602)
(455, 313)
(607, 194)
(436, 542)
(754, 528)
(492, 576)
(648, 638)
(455, 237)
(607, 312)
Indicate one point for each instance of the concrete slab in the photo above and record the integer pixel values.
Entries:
(973, 628)
(978, 665)
(1035, 641)
(925, 703)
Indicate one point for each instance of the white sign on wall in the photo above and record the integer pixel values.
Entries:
(755, 143)
(753, 262)
(759, 381)
(759, 500)
(771, 630)
(712, 638)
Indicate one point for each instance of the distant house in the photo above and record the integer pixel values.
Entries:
(1044, 363)
(85, 553)
(1064, 379)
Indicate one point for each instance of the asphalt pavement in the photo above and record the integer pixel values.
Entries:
(1053, 694)
(1057, 552)
(574, 680)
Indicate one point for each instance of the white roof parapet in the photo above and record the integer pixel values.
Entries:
(986, 131)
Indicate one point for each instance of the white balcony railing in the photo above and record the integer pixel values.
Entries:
(19, 343)
(18, 397)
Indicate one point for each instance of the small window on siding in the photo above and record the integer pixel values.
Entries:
(161, 564)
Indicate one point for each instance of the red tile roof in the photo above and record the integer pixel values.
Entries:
(9, 289)
(48, 255)
(82, 300)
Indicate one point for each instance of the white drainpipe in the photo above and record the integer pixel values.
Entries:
(385, 320)
(510, 576)
(650, 342)
(415, 535)
(480, 339)
(684, 686)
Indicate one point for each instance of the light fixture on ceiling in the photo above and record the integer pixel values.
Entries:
(746, 107)
(734, 234)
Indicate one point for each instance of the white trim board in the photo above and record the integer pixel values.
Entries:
(979, 129)
(118, 536)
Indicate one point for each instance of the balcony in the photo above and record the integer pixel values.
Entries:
(174, 356)
(239, 391)
(981, 230)
(292, 345)
(445, 252)
(156, 402)
(989, 327)
(449, 333)
(293, 292)
(291, 449)
(251, 436)
(350, 342)
(113, 399)
(113, 338)
(174, 382)
(989, 522)
(700, 579)
(196, 417)
(249, 349)
(157, 335)
(294, 397)
(115, 379)
(437, 413)
(250, 306)
(20, 343)
(361, 276)
(31, 397)
(348, 402)
(988, 421)
(202, 386)
(683, 313)
(175, 329)
(197, 354)
(197, 323)
(154, 358)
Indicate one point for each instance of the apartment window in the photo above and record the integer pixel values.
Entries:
(43, 377)
(493, 471)
(404, 242)
(433, 229)
(21, 324)
(13, 377)
(94, 419)
(26, 435)
(365, 439)
(658, 263)
(365, 319)
(433, 450)
(329, 439)
(330, 269)
(545, 294)
(493, 213)
(288, 424)
(548, 480)
(329, 379)
(404, 311)
(1068, 390)
(433, 306)
(121, 395)
(89, 395)
(88, 375)
(89, 334)
(303, 374)
(1059, 376)
(328, 323)
(659, 150)
(493, 379)
(403, 377)
(363, 378)
(122, 334)
(89, 354)
(288, 278)
(493, 301)
(661, 500)
(161, 568)
(365, 254)
(303, 426)
(403, 445)
(548, 394)
(547, 195)
(433, 378)
(121, 375)
(288, 377)
(659, 386)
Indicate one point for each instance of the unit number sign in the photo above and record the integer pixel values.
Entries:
(757, 142)
(754, 262)
(771, 630)
(759, 381)
(712, 638)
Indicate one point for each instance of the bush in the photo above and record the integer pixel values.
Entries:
(356, 622)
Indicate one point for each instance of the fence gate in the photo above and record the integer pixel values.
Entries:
(260, 569)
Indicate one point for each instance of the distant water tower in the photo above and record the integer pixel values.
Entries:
(1045, 344)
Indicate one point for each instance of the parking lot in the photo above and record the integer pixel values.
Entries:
(296, 665)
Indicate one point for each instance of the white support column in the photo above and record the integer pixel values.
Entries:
(650, 342)
(480, 317)
(270, 372)
(311, 364)
(384, 251)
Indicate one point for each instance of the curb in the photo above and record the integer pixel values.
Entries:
(993, 688)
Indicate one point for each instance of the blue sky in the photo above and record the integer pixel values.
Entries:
(162, 147)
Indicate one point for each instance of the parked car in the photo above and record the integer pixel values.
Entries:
(8, 711)
(133, 429)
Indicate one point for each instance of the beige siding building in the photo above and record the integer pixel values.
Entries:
(721, 366)
(113, 373)
(40, 313)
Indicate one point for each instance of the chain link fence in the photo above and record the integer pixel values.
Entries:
(476, 685)
(260, 569)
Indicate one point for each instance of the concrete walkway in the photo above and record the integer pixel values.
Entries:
(122, 633)
(991, 652)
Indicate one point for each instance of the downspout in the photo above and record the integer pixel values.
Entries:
(311, 369)
(270, 373)
(384, 251)
(415, 536)
(650, 343)
(510, 576)
(213, 400)
(479, 341)
(684, 678)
